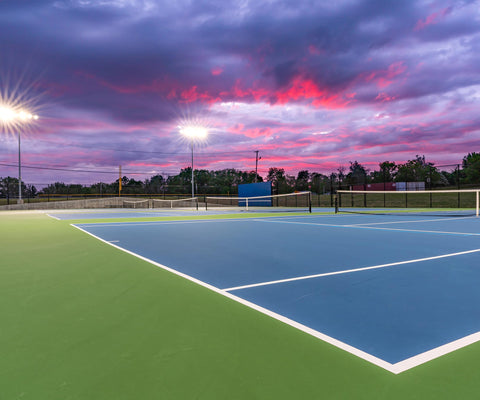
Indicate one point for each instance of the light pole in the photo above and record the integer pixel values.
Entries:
(193, 134)
(256, 164)
(11, 117)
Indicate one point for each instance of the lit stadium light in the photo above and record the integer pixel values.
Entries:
(6, 114)
(12, 118)
(195, 134)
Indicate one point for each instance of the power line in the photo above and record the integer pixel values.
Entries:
(143, 151)
(74, 170)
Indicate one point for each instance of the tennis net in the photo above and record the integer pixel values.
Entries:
(424, 202)
(300, 201)
(136, 203)
(191, 202)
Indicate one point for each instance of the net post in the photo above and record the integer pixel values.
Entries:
(310, 202)
(196, 203)
(478, 202)
(336, 202)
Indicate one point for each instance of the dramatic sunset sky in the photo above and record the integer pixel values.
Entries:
(310, 84)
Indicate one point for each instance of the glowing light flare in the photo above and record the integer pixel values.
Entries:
(10, 117)
(194, 133)
(6, 114)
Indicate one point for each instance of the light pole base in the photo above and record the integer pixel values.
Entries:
(19, 201)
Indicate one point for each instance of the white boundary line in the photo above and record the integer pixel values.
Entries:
(167, 222)
(368, 227)
(350, 270)
(413, 221)
(413, 230)
(393, 368)
(51, 216)
(435, 353)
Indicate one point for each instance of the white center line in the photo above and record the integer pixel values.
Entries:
(298, 278)
(370, 227)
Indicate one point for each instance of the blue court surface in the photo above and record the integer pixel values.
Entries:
(166, 212)
(128, 213)
(397, 292)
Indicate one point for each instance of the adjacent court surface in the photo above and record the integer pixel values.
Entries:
(395, 291)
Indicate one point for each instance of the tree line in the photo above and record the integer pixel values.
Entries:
(226, 181)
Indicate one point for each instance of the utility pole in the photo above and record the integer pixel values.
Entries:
(119, 181)
(256, 164)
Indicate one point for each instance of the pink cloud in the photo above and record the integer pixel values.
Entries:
(302, 89)
(383, 97)
(192, 94)
(384, 78)
(253, 132)
(216, 71)
(255, 92)
(432, 19)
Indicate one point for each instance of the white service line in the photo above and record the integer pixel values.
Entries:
(411, 221)
(148, 223)
(369, 227)
(298, 278)
(413, 230)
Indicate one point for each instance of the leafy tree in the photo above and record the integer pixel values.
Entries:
(155, 184)
(132, 186)
(55, 188)
(179, 184)
(471, 167)
(416, 170)
(249, 177)
(319, 182)
(226, 180)
(358, 174)
(302, 181)
(8, 187)
(278, 179)
(332, 182)
(386, 173)
(289, 186)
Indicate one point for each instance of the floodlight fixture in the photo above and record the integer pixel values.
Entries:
(194, 133)
(7, 114)
(12, 117)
